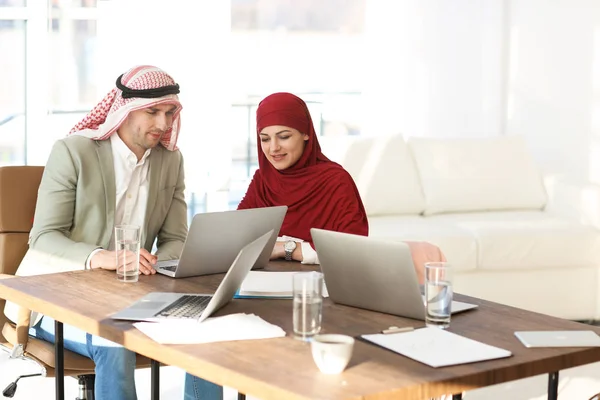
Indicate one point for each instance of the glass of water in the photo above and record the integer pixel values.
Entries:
(308, 304)
(438, 294)
(127, 248)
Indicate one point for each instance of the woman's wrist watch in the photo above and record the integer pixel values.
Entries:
(289, 248)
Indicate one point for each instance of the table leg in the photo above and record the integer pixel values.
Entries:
(553, 386)
(154, 380)
(59, 361)
(241, 396)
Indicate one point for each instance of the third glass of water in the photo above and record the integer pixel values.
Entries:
(438, 294)
(308, 304)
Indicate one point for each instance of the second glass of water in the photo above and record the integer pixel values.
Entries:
(308, 304)
(438, 294)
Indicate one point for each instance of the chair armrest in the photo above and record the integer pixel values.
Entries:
(573, 199)
(23, 320)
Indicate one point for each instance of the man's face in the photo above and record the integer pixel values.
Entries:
(143, 129)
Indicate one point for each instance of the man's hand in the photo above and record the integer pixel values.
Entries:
(105, 259)
(423, 252)
(146, 262)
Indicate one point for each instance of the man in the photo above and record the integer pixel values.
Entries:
(119, 165)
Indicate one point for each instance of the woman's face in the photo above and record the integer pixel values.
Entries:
(283, 146)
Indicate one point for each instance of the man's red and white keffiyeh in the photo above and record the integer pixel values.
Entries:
(111, 112)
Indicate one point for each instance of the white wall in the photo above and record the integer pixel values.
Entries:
(554, 82)
(486, 68)
(434, 68)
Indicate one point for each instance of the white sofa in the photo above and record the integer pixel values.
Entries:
(513, 236)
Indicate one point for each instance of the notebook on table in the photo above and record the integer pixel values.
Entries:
(265, 284)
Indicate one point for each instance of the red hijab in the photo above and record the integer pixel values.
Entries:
(318, 192)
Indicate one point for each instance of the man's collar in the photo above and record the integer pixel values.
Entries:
(125, 152)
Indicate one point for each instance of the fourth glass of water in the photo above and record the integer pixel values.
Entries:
(308, 304)
(438, 294)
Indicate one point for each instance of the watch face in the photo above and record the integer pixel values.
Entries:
(289, 246)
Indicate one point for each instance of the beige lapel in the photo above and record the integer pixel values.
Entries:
(107, 171)
(155, 173)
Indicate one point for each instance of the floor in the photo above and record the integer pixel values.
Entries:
(576, 383)
(39, 388)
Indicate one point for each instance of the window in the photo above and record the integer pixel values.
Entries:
(12, 95)
(310, 48)
(307, 15)
(56, 71)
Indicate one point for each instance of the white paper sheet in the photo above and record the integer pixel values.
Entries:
(218, 329)
(270, 284)
(437, 347)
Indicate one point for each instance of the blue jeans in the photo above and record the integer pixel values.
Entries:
(115, 365)
(199, 389)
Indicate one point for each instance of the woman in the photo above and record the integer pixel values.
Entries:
(294, 172)
(319, 193)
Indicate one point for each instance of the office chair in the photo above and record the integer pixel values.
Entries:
(18, 195)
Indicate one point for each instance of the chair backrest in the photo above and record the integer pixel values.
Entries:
(18, 195)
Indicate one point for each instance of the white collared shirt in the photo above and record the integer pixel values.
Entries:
(131, 183)
(132, 186)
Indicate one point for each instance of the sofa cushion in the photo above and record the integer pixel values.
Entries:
(383, 170)
(458, 245)
(528, 240)
(476, 174)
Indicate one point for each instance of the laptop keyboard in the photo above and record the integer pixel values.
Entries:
(187, 306)
(172, 268)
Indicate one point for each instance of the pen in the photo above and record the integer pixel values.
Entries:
(395, 329)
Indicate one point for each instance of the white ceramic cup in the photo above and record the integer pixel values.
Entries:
(332, 352)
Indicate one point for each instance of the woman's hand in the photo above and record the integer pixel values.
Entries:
(423, 252)
(278, 251)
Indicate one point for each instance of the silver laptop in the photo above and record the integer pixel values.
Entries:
(559, 338)
(372, 274)
(214, 240)
(157, 305)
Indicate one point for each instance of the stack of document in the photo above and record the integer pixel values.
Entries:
(218, 329)
(276, 285)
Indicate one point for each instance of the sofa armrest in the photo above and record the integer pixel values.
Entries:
(573, 199)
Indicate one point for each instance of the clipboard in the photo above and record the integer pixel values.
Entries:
(437, 347)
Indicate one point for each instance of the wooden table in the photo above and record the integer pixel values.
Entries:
(283, 368)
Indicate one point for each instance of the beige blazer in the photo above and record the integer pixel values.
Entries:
(75, 209)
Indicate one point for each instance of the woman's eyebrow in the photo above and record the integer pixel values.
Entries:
(283, 131)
